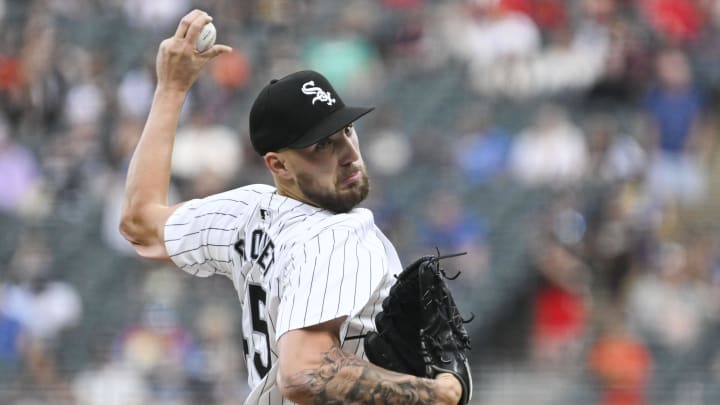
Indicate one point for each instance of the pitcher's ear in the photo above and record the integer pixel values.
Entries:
(275, 162)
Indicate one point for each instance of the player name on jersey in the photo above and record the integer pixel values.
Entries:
(262, 249)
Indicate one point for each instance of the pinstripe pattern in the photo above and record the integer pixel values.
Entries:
(303, 266)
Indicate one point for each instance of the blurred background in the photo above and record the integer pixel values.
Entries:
(568, 146)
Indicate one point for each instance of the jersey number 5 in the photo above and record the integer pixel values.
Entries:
(258, 295)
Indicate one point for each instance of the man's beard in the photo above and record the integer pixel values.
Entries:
(333, 200)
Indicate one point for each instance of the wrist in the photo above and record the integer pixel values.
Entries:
(170, 93)
(449, 389)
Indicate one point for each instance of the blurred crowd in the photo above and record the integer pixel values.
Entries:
(570, 147)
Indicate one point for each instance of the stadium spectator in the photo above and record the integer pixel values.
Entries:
(217, 375)
(484, 33)
(676, 22)
(20, 175)
(135, 92)
(674, 107)
(387, 138)
(109, 381)
(45, 308)
(345, 56)
(44, 305)
(11, 336)
(37, 100)
(155, 15)
(483, 148)
(614, 156)
(670, 308)
(159, 347)
(560, 306)
(619, 361)
(206, 157)
(549, 15)
(627, 62)
(551, 152)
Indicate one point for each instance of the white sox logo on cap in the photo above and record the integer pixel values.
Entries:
(286, 112)
(320, 94)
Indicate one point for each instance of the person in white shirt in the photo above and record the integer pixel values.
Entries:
(310, 268)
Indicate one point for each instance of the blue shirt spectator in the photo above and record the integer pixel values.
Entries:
(482, 157)
(674, 104)
(10, 332)
(674, 112)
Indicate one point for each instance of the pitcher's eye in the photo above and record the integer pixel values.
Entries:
(323, 144)
(348, 130)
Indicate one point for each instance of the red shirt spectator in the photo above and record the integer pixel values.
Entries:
(549, 15)
(678, 21)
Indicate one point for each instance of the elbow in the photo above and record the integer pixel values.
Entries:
(136, 222)
(142, 245)
(311, 366)
(295, 387)
(293, 395)
(129, 227)
(289, 388)
(142, 224)
(141, 237)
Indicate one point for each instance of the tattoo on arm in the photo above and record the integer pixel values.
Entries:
(344, 378)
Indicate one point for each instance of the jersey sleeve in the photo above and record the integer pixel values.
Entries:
(200, 235)
(333, 275)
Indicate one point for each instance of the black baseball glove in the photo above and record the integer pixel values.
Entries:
(420, 330)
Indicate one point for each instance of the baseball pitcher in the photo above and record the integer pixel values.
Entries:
(319, 284)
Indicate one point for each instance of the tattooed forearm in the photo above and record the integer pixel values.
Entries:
(343, 378)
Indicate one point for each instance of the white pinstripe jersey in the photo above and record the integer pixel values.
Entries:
(292, 264)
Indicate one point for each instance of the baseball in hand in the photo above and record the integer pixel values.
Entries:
(206, 39)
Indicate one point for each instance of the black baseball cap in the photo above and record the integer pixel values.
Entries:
(297, 111)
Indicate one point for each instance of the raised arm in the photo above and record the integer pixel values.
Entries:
(314, 370)
(145, 207)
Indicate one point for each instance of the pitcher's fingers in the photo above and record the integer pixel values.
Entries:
(216, 50)
(195, 27)
(186, 21)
